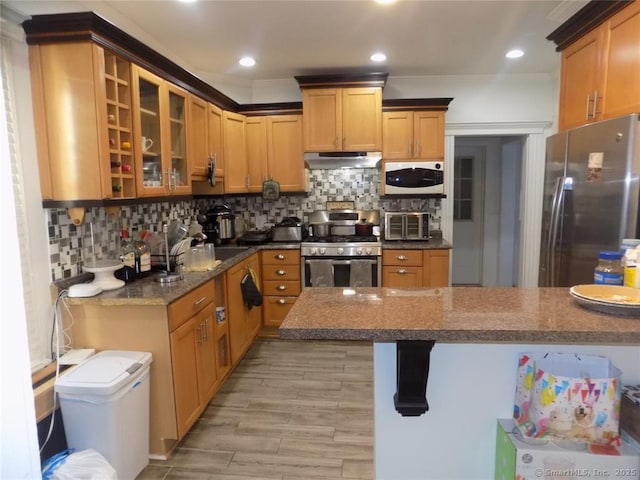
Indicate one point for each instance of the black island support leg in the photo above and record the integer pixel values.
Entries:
(412, 372)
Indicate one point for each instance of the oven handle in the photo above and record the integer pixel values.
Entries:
(344, 262)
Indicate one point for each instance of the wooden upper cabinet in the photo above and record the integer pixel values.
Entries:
(235, 153)
(600, 74)
(214, 128)
(409, 134)
(82, 112)
(361, 119)
(581, 64)
(622, 60)
(256, 132)
(342, 119)
(285, 153)
(160, 112)
(198, 145)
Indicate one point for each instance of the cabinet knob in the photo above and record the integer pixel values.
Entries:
(282, 301)
(402, 257)
(200, 300)
(282, 287)
(401, 271)
(280, 256)
(281, 272)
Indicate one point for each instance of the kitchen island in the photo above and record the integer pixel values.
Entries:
(476, 336)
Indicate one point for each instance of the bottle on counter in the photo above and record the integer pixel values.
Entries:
(630, 260)
(609, 270)
(127, 257)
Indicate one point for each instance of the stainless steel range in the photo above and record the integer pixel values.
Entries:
(342, 258)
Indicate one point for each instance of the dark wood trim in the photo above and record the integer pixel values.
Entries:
(587, 18)
(113, 202)
(283, 108)
(416, 104)
(73, 27)
(347, 79)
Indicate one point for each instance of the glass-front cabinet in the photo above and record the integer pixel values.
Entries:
(160, 142)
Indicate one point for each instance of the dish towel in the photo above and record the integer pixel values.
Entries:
(360, 273)
(321, 272)
(250, 293)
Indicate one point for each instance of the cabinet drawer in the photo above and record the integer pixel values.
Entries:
(401, 277)
(186, 307)
(281, 272)
(284, 287)
(281, 257)
(275, 309)
(412, 258)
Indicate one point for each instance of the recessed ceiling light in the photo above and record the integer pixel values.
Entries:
(247, 61)
(378, 57)
(187, 1)
(385, 2)
(515, 53)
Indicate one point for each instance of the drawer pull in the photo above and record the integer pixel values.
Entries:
(281, 272)
(280, 256)
(282, 287)
(200, 300)
(402, 257)
(282, 301)
(401, 271)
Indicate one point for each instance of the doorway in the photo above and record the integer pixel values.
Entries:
(486, 204)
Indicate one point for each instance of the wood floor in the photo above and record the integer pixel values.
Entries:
(289, 411)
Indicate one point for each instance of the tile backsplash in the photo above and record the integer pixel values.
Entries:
(70, 245)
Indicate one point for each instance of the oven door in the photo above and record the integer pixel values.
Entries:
(341, 269)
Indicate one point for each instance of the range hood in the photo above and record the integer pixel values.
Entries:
(342, 159)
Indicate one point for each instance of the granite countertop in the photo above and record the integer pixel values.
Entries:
(454, 315)
(434, 243)
(147, 291)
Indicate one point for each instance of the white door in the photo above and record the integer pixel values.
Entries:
(468, 215)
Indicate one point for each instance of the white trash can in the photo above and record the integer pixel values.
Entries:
(105, 406)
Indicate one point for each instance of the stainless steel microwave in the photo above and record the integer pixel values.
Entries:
(406, 226)
(413, 178)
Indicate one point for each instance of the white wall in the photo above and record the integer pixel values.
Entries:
(469, 387)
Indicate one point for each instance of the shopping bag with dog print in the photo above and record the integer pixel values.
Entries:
(568, 396)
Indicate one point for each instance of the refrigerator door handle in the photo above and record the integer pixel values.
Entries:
(553, 230)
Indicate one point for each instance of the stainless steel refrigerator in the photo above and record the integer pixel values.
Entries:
(591, 198)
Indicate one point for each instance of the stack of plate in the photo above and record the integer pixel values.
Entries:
(610, 299)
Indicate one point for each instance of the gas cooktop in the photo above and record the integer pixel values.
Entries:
(342, 239)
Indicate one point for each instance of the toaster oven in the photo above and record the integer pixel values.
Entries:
(406, 226)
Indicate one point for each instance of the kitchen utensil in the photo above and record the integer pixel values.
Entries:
(290, 229)
(364, 228)
(176, 231)
(322, 229)
(167, 276)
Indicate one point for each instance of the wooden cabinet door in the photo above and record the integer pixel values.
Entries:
(256, 133)
(197, 147)
(149, 110)
(207, 371)
(580, 70)
(185, 353)
(361, 119)
(322, 119)
(397, 135)
(174, 155)
(622, 63)
(235, 153)
(436, 268)
(285, 153)
(395, 276)
(428, 135)
(238, 336)
(214, 127)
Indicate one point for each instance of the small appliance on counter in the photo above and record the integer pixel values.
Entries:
(219, 226)
(406, 226)
(290, 229)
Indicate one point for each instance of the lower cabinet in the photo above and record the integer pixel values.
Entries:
(280, 284)
(415, 268)
(190, 349)
(244, 323)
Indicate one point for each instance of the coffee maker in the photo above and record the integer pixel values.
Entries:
(219, 226)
